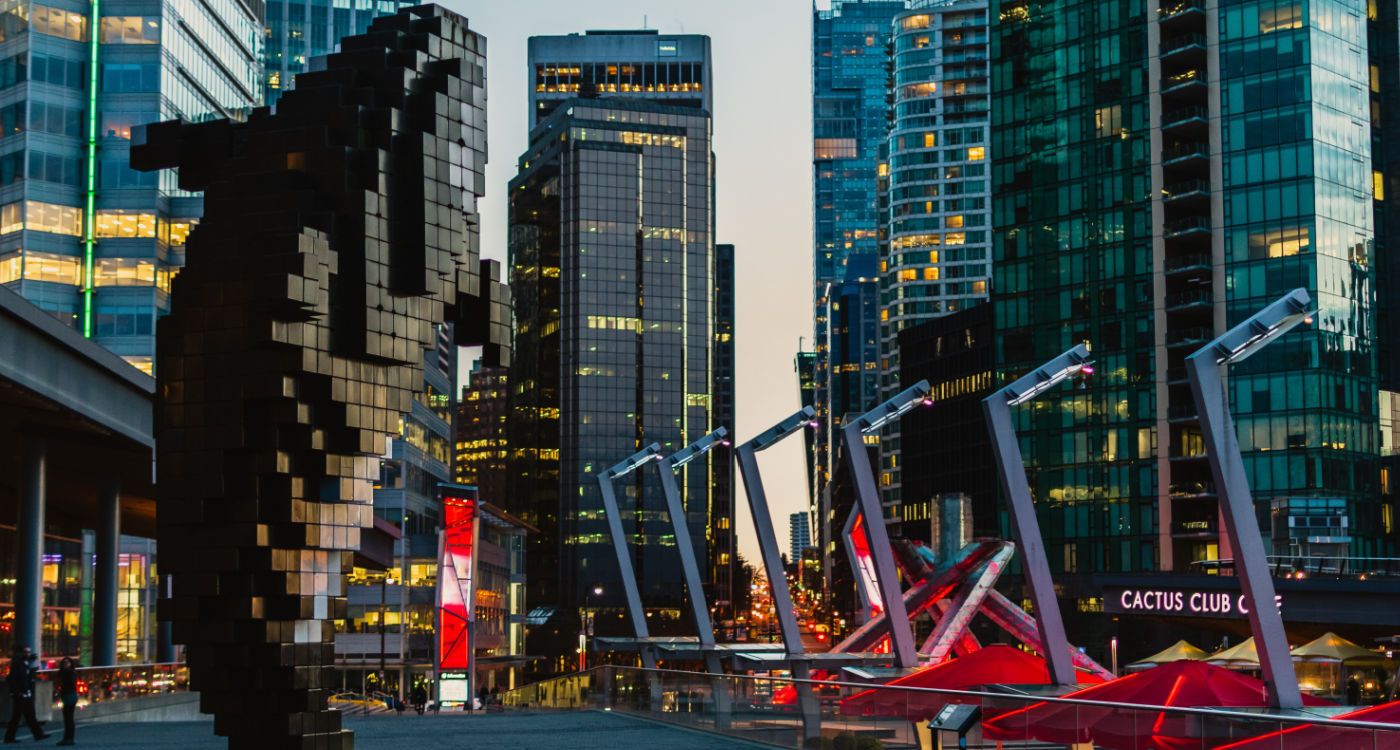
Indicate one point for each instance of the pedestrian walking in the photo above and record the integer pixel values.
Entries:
(21, 684)
(420, 698)
(68, 691)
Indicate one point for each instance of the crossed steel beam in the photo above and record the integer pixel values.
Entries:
(1205, 370)
(624, 558)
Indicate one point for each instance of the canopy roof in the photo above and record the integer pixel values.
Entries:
(1246, 655)
(1175, 652)
(1179, 684)
(1333, 648)
(998, 664)
(1314, 737)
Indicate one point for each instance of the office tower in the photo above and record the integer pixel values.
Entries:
(947, 449)
(668, 68)
(612, 268)
(936, 250)
(480, 432)
(1143, 205)
(298, 30)
(722, 555)
(850, 118)
(799, 536)
(84, 237)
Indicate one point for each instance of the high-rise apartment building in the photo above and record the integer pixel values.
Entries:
(612, 269)
(480, 433)
(936, 250)
(1160, 172)
(299, 30)
(669, 68)
(82, 235)
(850, 119)
(799, 536)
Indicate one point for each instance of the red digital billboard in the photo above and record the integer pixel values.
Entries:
(457, 582)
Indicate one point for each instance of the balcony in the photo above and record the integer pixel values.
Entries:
(1199, 528)
(1185, 82)
(1190, 299)
(1191, 119)
(1190, 225)
(1192, 490)
(1186, 154)
(1193, 264)
(1183, 47)
(1174, 15)
(1195, 336)
(1178, 413)
(1186, 190)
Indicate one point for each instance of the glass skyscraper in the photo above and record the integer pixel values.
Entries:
(298, 30)
(612, 272)
(1160, 172)
(936, 251)
(850, 119)
(83, 236)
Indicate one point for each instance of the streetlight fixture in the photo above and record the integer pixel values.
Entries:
(1011, 470)
(1205, 371)
(763, 518)
(868, 498)
(624, 558)
(586, 626)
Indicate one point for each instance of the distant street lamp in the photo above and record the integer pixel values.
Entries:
(586, 626)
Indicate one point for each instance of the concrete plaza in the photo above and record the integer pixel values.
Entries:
(577, 730)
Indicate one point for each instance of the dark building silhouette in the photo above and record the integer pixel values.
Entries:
(723, 553)
(339, 233)
(480, 433)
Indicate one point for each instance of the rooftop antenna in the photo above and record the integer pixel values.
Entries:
(644, 22)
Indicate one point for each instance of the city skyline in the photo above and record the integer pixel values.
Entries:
(753, 157)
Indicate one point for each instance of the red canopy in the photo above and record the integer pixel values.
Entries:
(1181, 684)
(992, 664)
(1314, 737)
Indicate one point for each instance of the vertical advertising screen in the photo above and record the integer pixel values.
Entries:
(457, 582)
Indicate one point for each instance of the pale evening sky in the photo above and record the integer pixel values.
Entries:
(762, 144)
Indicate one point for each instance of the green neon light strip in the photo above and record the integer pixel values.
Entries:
(90, 208)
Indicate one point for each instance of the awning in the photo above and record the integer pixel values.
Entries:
(1334, 649)
(1242, 656)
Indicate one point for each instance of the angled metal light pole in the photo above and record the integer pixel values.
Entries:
(1205, 371)
(624, 558)
(906, 653)
(1011, 470)
(690, 565)
(763, 520)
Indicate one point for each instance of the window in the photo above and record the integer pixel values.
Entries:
(52, 267)
(930, 140)
(910, 23)
(130, 30)
(1279, 18)
(1378, 185)
(12, 119)
(930, 274)
(174, 231)
(53, 168)
(124, 272)
(130, 77)
(977, 153)
(50, 217)
(10, 265)
(11, 217)
(113, 172)
(12, 70)
(118, 123)
(123, 223)
(124, 321)
(60, 23)
(834, 148)
(1108, 121)
(55, 118)
(908, 274)
(57, 71)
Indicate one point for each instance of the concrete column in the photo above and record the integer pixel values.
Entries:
(104, 590)
(29, 547)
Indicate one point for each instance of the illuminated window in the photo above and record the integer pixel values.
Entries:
(933, 256)
(122, 223)
(49, 217)
(124, 272)
(1280, 18)
(1376, 78)
(954, 238)
(955, 222)
(884, 170)
(834, 148)
(980, 287)
(10, 265)
(52, 267)
(58, 22)
(909, 23)
(930, 140)
(173, 232)
(11, 217)
(930, 274)
(918, 90)
(1377, 185)
(130, 30)
(1108, 121)
(142, 363)
(908, 274)
(977, 153)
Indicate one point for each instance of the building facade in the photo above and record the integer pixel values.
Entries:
(936, 250)
(850, 119)
(612, 263)
(724, 553)
(480, 432)
(799, 536)
(82, 235)
(670, 68)
(1264, 183)
(298, 30)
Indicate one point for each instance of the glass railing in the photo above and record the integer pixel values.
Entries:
(107, 684)
(1316, 566)
(765, 709)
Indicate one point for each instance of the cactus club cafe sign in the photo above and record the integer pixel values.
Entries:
(1179, 602)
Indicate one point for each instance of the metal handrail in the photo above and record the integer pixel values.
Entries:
(1214, 712)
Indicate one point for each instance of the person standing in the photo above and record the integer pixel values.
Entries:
(21, 684)
(420, 698)
(68, 690)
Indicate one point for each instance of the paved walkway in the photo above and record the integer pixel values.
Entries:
(583, 730)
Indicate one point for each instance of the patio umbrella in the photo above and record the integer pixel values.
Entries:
(1175, 652)
(998, 664)
(1180, 684)
(1334, 649)
(1315, 737)
(1243, 656)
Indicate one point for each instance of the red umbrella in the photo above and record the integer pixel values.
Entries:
(1314, 737)
(1179, 684)
(993, 664)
